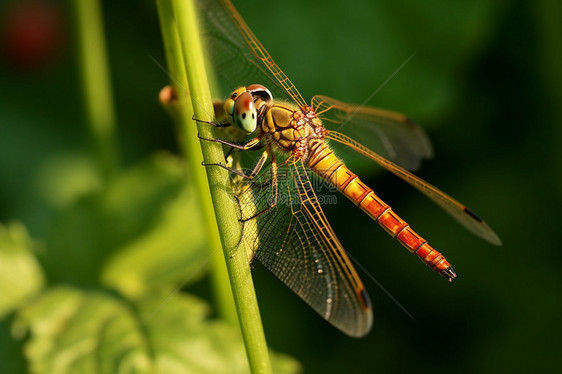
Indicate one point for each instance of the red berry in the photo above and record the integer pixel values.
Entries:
(31, 33)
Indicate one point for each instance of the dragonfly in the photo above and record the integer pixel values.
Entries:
(283, 223)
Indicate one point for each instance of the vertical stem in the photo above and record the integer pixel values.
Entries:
(193, 156)
(97, 87)
(225, 207)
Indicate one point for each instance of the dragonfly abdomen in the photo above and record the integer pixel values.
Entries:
(326, 164)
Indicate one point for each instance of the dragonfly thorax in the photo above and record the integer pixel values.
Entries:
(292, 129)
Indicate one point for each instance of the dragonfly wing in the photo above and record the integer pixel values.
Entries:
(295, 242)
(458, 211)
(391, 134)
(236, 53)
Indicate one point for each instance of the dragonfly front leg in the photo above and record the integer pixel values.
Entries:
(243, 146)
(214, 124)
(254, 172)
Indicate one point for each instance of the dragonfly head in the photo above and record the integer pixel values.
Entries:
(241, 106)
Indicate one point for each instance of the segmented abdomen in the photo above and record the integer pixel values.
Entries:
(323, 161)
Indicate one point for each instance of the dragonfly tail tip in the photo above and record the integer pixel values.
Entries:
(449, 273)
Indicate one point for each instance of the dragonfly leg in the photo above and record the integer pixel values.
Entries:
(243, 146)
(228, 153)
(214, 124)
(232, 170)
(258, 147)
(250, 252)
(274, 189)
(253, 173)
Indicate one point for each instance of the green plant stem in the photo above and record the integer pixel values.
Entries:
(97, 86)
(191, 150)
(225, 207)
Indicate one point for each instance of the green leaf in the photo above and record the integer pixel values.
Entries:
(169, 252)
(142, 232)
(20, 274)
(64, 177)
(77, 331)
(82, 332)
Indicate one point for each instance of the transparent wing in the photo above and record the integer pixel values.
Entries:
(237, 55)
(458, 211)
(295, 242)
(390, 134)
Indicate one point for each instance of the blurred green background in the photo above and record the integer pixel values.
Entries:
(485, 83)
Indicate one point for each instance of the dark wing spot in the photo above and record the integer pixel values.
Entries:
(253, 116)
(366, 301)
(243, 115)
(473, 215)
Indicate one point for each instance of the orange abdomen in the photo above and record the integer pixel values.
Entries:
(323, 161)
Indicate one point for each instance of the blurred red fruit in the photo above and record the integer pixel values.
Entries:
(32, 33)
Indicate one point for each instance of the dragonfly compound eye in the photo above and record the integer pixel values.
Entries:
(260, 91)
(244, 114)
